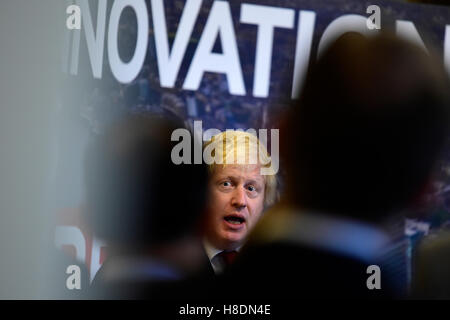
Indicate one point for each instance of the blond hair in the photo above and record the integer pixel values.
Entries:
(243, 148)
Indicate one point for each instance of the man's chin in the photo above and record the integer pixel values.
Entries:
(233, 241)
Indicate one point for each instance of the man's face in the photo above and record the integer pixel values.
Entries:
(235, 204)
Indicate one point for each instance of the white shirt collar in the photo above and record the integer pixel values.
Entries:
(212, 252)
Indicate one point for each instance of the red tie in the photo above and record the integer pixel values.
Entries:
(228, 257)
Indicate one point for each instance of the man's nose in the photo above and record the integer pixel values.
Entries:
(239, 200)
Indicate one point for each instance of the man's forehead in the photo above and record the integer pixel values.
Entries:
(251, 171)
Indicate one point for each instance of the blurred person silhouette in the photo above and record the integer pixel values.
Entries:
(145, 208)
(431, 263)
(239, 191)
(359, 145)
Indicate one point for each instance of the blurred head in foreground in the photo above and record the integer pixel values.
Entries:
(360, 143)
(137, 198)
(239, 187)
(364, 136)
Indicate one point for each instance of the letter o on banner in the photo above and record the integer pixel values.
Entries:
(126, 72)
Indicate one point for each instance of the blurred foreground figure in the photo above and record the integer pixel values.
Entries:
(431, 267)
(146, 208)
(360, 144)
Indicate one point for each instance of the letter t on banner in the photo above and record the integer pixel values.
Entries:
(267, 18)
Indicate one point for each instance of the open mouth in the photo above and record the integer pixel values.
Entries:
(234, 220)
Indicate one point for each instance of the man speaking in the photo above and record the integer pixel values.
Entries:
(239, 191)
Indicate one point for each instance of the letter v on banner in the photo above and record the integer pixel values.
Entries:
(169, 62)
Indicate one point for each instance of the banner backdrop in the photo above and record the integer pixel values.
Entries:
(231, 64)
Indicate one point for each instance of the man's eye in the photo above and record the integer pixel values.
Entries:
(251, 188)
(226, 184)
